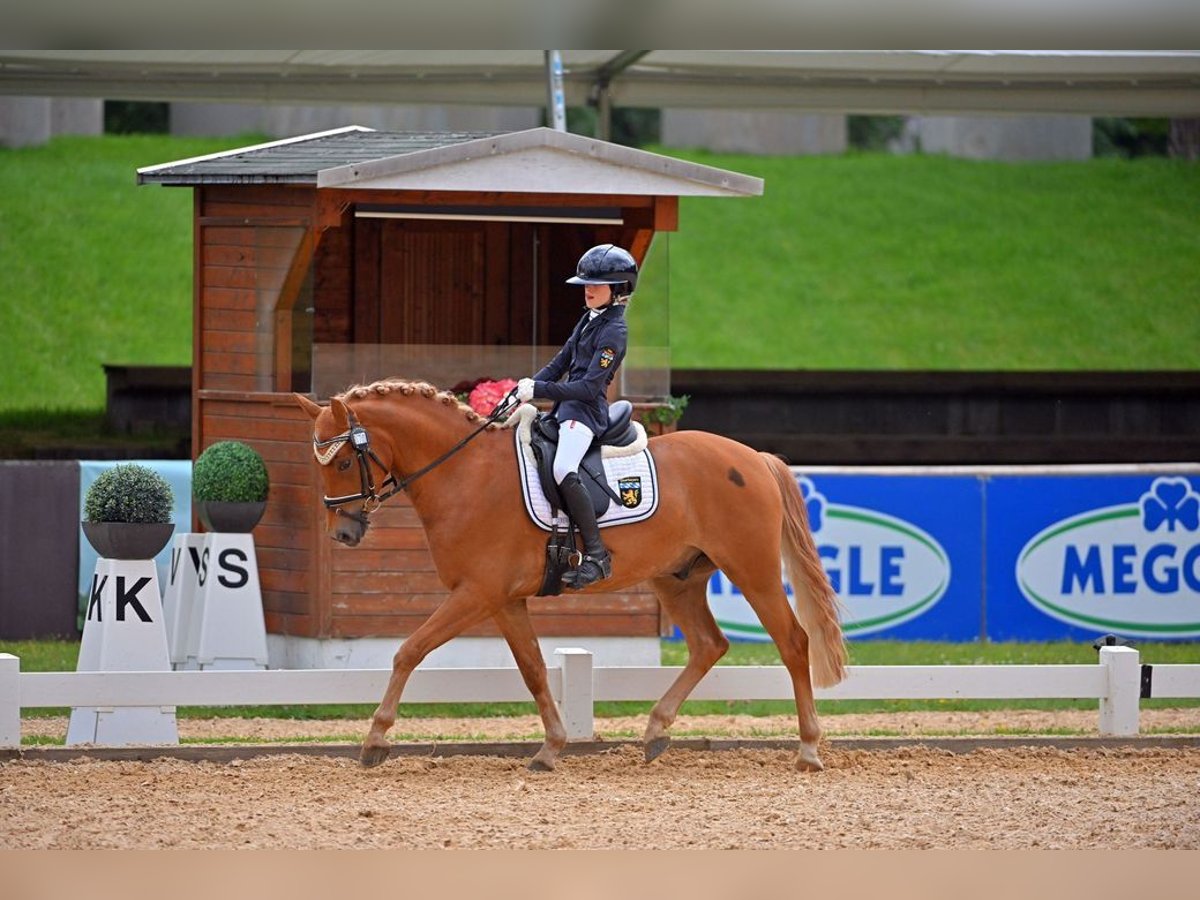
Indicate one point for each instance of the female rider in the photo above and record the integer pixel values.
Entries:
(589, 360)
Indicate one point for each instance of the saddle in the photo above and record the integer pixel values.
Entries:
(544, 442)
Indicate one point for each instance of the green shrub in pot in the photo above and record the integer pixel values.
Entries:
(230, 486)
(127, 512)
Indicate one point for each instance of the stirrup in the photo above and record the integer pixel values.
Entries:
(589, 571)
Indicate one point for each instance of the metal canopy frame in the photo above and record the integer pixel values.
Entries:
(1085, 82)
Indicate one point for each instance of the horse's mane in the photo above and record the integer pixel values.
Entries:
(409, 389)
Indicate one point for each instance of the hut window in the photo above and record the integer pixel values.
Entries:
(283, 307)
(646, 373)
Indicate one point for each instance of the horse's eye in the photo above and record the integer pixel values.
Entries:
(343, 465)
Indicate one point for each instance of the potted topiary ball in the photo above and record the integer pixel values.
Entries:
(127, 512)
(229, 485)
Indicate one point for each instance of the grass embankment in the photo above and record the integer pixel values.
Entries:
(61, 656)
(97, 269)
(851, 262)
(928, 262)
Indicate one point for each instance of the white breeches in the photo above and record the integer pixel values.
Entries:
(574, 438)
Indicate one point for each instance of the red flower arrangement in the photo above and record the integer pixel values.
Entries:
(486, 395)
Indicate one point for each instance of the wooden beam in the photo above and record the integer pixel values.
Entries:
(666, 213)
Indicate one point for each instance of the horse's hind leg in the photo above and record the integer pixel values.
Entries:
(460, 611)
(687, 604)
(767, 598)
(518, 632)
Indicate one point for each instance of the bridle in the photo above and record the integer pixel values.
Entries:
(360, 443)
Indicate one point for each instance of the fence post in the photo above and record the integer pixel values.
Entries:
(1120, 708)
(10, 700)
(578, 696)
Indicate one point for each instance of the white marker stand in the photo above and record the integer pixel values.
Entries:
(180, 598)
(232, 633)
(123, 632)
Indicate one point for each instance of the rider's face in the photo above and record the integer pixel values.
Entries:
(596, 295)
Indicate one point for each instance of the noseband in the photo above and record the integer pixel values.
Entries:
(360, 443)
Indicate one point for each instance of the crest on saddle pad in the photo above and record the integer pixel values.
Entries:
(630, 490)
(629, 471)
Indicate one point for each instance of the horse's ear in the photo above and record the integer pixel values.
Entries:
(341, 414)
(313, 409)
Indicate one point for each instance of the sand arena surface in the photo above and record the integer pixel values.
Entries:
(908, 798)
(914, 797)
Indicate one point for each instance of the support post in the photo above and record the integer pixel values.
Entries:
(1119, 709)
(10, 701)
(556, 107)
(577, 703)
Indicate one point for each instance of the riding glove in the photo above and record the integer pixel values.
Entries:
(525, 390)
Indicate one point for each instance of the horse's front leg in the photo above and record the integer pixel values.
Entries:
(460, 611)
(517, 629)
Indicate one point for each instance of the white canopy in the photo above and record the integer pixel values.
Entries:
(1148, 83)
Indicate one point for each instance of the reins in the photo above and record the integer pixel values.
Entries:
(360, 442)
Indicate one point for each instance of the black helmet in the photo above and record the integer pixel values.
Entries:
(607, 264)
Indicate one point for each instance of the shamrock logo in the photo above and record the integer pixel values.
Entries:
(814, 503)
(1171, 501)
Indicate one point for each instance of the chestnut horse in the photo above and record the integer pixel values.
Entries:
(721, 505)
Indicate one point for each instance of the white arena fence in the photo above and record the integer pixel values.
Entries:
(1118, 681)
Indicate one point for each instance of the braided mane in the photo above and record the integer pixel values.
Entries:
(412, 388)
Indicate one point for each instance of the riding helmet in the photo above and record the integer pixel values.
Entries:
(607, 264)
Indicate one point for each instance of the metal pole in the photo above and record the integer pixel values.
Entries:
(604, 114)
(556, 109)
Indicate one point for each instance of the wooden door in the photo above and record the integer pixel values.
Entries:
(443, 282)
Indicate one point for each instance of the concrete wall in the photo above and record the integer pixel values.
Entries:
(289, 121)
(763, 132)
(27, 121)
(1012, 138)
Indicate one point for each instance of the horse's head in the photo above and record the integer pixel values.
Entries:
(355, 467)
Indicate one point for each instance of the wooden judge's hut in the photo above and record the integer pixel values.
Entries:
(352, 255)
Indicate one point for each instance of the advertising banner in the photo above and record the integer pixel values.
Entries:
(902, 552)
(1075, 557)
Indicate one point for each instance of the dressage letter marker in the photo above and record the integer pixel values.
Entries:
(179, 602)
(124, 632)
(231, 633)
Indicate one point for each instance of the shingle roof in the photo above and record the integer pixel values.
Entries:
(298, 160)
(537, 160)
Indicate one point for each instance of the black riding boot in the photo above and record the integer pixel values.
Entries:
(596, 564)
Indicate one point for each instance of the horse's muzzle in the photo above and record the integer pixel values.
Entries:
(348, 528)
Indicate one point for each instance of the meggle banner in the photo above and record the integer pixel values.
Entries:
(1076, 557)
(903, 553)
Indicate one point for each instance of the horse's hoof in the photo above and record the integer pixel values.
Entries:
(373, 755)
(808, 761)
(540, 765)
(654, 749)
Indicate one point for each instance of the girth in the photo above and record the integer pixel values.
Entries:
(544, 442)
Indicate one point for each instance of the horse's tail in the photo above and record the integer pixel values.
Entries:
(816, 602)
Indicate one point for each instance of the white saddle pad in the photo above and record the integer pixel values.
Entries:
(629, 470)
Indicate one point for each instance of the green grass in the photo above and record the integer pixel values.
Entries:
(49, 656)
(929, 262)
(850, 262)
(97, 269)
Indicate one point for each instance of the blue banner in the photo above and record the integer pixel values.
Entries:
(1075, 557)
(903, 553)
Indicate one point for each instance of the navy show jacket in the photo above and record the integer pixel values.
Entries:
(589, 359)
